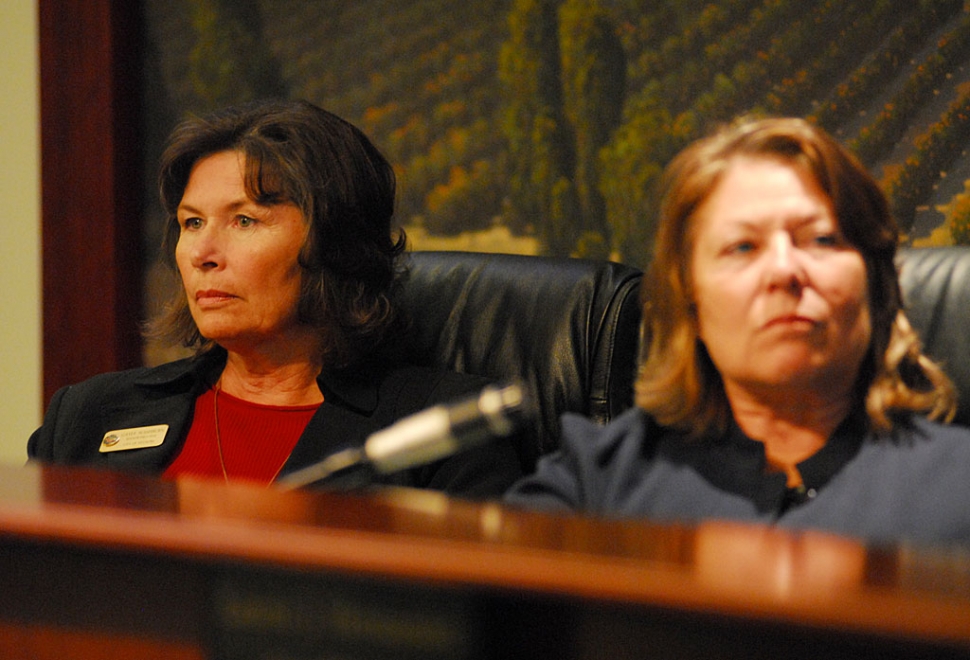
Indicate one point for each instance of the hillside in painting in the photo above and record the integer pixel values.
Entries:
(551, 120)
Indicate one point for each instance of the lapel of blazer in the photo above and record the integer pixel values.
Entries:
(345, 418)
(162, 395)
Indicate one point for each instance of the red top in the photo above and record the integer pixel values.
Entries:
(256, 439)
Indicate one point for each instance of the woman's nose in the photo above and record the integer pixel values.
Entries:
(784, 268)
(206, 248)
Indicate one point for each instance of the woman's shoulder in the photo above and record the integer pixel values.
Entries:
(78, 415)
(914, 483)
(931, 436)
(924, 433)
(132, 387)
(592, 465)
(631, 432)
(920, 448)
(148, 376)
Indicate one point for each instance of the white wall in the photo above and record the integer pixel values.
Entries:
(20, 247)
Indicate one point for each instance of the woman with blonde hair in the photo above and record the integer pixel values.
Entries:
(782, 382)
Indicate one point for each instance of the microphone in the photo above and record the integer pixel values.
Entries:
(433, 433)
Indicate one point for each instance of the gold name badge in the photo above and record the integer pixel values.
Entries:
(134, 438)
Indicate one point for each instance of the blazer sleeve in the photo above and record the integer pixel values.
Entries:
(41, 444)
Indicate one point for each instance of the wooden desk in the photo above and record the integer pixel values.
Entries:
(98, 565)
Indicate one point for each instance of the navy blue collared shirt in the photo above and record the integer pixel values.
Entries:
(912, 484)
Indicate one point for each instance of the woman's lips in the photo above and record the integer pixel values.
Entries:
(790, 321)
(212, 297)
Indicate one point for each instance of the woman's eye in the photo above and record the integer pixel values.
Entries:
(827, 240)
(245, 221)
(191, 223)
(741, 247)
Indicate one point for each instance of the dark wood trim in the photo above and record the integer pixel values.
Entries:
(90, 172)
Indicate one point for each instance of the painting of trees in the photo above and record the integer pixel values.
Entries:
(553, 119)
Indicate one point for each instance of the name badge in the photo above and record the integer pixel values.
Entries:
(134, 438)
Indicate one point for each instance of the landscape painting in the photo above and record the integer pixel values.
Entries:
(541, 126)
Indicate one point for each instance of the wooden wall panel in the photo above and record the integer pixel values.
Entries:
(91, 221)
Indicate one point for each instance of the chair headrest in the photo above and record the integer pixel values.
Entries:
(567, 328)
(935, 284)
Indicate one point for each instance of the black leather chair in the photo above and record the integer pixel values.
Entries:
(935, 284)
(566, 328)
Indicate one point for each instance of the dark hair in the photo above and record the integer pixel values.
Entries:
(298, 153)
(678, 384)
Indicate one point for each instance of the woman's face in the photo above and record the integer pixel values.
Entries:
(781, 298)
(238, 259)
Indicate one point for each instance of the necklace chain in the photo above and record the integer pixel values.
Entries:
(222, 460)
(215, 411)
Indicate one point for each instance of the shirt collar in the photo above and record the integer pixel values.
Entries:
(736, 463)
(193, 373)
(844, 443)
(356, 389)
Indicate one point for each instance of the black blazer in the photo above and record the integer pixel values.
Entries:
(355, 405)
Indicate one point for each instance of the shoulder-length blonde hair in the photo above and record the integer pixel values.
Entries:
(677, 382)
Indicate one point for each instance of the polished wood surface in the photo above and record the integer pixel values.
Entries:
(134, 558)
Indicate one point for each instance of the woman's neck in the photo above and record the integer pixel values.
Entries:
(791, 430)
(271, 380)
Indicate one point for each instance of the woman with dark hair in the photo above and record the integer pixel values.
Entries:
(782, 382)
(280, 235)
